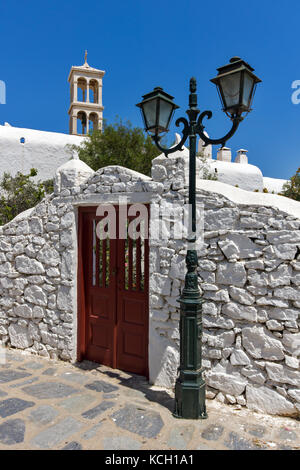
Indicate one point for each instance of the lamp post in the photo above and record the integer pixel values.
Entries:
(236, 85)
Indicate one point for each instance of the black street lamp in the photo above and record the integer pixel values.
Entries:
(236, 85)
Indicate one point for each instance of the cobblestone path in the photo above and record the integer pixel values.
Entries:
(55, 405)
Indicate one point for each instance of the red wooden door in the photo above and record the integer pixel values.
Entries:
(113, 297)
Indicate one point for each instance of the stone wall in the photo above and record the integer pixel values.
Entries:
(37, 285)
(249, 274)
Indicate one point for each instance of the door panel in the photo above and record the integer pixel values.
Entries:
(100, 307)
(132, 328)
(115, 317)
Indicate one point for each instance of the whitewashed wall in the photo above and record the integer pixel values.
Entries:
(249, 274)
(45, 151)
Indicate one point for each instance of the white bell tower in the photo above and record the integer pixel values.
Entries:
(86, 110)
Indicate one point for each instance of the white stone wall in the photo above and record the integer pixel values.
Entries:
(249, 274)
(37, 285)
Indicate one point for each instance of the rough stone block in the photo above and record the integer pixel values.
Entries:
(160, 284)
(35, 295)
(231, 274)
(241, 295)
(240, 312)
(239, 358)
(266, 400)
(221, 218)
(19, 336)
(261, 344)
(220, 379)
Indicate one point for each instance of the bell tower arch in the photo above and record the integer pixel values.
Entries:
(86, 109)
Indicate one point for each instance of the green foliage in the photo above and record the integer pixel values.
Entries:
(291, 188)
(118, 144)
(19, 193)
(48, 186)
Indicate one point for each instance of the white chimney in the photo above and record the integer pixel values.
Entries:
(224, 154)
(241, 156)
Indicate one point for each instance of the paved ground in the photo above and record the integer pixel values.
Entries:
(55, 405)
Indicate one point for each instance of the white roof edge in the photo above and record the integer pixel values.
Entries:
(240, 196)
(11, 129)
(270, 179)
(81, 68)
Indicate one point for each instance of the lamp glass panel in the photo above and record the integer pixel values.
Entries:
(230, 86)
(149, 109)
(165, 112)
(248, 84)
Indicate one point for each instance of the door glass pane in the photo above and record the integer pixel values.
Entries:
(103, 262)
(134, 257)
(126, 264)
(132, 261)
(100, 246)
(94, 255)
(106, 260)
(133, 287)
(138, 264)
(142, 281)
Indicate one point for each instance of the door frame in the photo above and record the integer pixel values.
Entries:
(81, 313)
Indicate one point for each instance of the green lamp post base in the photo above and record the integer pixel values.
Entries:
(190, 386)
(190, 396)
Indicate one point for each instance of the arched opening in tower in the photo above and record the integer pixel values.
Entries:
(81, 123)
(93, 122)
(82, 90)
(94, 95)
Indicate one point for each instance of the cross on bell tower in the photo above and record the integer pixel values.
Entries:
(86, 110)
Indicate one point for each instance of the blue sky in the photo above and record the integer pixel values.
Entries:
(142, 44)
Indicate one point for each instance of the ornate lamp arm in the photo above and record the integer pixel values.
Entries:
(236, 120)
(185, 132)
(199, 129)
